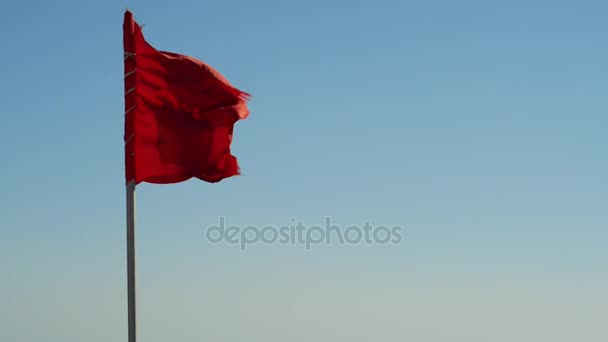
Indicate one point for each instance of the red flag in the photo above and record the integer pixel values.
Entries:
(179, 115)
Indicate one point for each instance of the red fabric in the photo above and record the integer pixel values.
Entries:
(179, 115)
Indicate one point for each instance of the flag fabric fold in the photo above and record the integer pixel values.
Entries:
(179, 115)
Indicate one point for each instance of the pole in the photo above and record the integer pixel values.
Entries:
(129, 29)
(131, 259)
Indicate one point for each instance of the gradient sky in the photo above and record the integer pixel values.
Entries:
(479, 126)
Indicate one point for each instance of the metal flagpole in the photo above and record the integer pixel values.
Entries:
(129, 27)
(131, 259)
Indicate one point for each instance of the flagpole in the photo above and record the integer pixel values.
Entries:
(131, 260)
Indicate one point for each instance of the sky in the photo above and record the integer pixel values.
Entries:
(479, 127)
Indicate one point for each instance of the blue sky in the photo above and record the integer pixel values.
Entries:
(479, 126)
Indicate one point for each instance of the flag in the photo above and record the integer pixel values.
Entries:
(179, 115)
